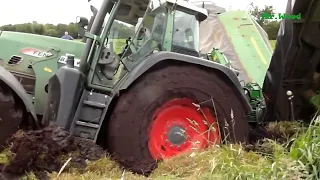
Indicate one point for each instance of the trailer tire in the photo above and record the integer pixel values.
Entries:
(134, 127)
(12, 112)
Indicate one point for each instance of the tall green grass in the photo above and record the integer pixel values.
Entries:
(306, 149)
(272, 43)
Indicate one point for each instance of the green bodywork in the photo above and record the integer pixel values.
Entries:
(34, 72)
(252, 49)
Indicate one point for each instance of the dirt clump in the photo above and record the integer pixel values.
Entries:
(264, 138)
(261, 132)
(46, 150)
(278, 131)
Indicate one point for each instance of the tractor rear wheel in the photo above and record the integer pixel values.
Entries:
(174, 110)
(11, 113)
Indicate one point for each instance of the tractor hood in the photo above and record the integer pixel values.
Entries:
(240, 38)
(22, 53)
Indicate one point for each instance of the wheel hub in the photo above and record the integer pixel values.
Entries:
(179, 126)
(176, 135)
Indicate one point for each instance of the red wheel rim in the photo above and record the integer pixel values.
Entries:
(179, 126)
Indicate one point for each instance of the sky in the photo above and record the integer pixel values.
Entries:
(66, 11)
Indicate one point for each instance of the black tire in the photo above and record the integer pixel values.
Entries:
(12, 112)
(130, 120)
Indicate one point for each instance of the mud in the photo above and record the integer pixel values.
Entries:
(279, 133)
(47, 150)
(261, 132)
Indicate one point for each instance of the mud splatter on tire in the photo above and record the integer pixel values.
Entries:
(11, 114)
(131, 119)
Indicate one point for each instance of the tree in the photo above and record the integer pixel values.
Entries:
(269, 25)
(272, 29)
(58, 30)
(256, 12)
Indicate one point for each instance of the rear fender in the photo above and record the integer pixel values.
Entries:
(154, 59)
(15, 85)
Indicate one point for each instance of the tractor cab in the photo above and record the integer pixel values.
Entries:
(168, 27)
(163, 26)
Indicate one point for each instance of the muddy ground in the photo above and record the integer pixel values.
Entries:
(48, 149)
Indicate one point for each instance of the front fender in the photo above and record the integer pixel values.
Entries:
(156, 58)
(15, 85)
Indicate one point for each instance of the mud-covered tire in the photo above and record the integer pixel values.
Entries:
(12, 112)
(129, 125)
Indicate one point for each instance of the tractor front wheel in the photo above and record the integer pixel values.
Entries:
(171, 111)
(12, 112)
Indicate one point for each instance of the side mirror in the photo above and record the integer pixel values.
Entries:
(141, 34)
(82, 23)
(128, 41)
(93, 10)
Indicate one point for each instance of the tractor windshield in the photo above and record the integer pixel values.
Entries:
(185, 30)
(152, 28)
(119, 32)
(149, 33)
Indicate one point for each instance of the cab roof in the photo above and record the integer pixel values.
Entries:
(130, 10)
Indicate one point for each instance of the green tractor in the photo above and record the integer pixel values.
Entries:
(157, 98)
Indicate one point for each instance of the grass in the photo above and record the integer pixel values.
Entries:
(272, 43)
(118, 44)
(6, 156)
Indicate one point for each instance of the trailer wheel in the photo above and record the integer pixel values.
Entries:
(171, 111)
(11, 113)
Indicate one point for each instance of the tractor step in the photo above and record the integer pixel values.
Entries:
(90, 115)
(94, 104)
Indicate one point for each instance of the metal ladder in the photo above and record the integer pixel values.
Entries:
(90, 114)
